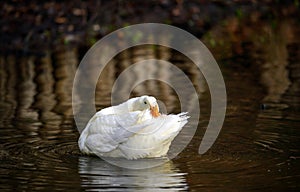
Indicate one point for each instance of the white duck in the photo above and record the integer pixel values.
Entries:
(134, 129)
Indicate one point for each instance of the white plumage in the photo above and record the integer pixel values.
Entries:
(134, 129)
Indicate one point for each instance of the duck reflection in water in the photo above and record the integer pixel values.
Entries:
(97, 174)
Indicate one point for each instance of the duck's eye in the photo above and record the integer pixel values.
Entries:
(145, 102)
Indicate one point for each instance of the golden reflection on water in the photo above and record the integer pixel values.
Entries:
(26, 89)
(275, 73)
(45, 97)
(8, 84)
(66, 62)
(38, 91)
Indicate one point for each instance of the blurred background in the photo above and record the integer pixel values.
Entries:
(257, 47)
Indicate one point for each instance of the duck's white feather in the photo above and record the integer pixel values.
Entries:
(122, 108)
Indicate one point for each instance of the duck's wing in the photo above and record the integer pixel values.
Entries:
(105, 133)
(154, 139)
(122, 108)
(166, 126)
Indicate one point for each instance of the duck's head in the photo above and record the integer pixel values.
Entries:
(148, 102)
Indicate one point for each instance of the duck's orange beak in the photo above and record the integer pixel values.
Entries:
(154, 111)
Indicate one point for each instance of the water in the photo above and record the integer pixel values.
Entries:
(257, 149)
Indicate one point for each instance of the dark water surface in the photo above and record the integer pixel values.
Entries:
(257, 149)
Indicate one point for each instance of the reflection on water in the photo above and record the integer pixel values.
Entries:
(257, 148)
(97, 174)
